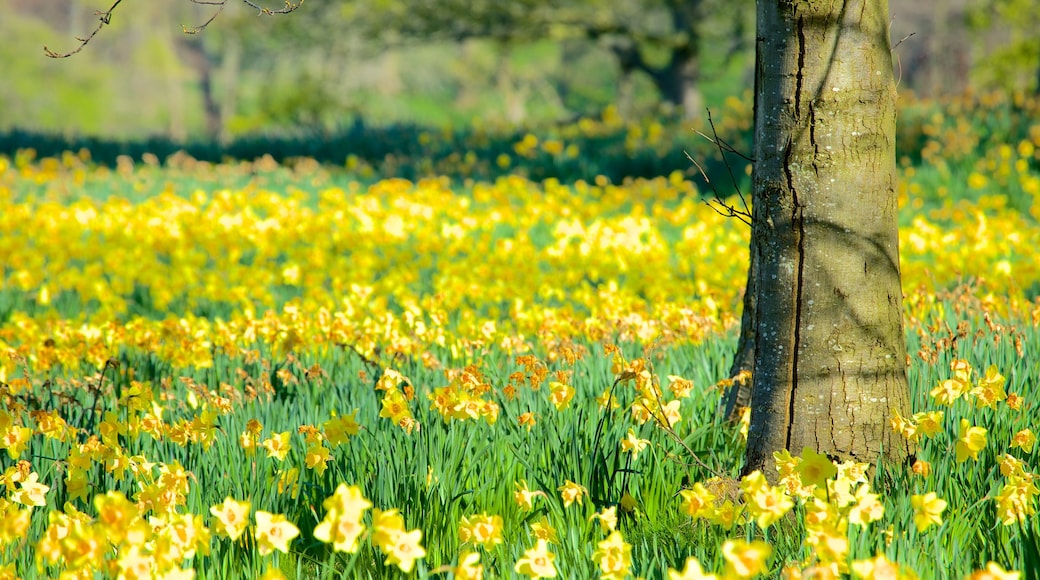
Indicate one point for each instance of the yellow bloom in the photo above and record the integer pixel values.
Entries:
(868, 507)
(815, 468)
(537, 562)
(878, 568)
(930, 423)
(922, 468)
(277, 446)
(572, 492)
(614, 557)
(14, 440)
(961, 370)
(928, 509)
(523, 496)
(634, 445)
(691, 571)
(993, 571)
(765, 503)
(990, 389)
(481, 529)
(1024, 440)
(698, 502)
(560, 394)
(1016, 501)
(404, 550)
(543, 530)
(607, 519)
(386, 525)
(232, 517)
(273, 532)
(746, 559)
(469, 567)
(338, 430)
(342, 525)
(970, 441)
(31, 493)
(949, 391)
(317, 458)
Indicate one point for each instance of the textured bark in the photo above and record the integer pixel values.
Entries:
(830, 364)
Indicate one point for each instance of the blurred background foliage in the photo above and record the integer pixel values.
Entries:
(367, 77)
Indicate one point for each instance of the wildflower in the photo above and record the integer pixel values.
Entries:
(232, 517)
(338, 430)
(993, 571)
(386, 525)
(317, 458)
(698, 502)
(572, 492)
(970, 441)
(469, 567)
(31, 493)
(404, 550)
(1016, 500)
(523, 496)
(527, 419)
(342, 525)
(765, 503)
(537, 562)
(904, 426)
(877, 568)
(14, 440)
(949, 391)
(277, 446)
(928, 509)
(481, 529)
(679, 386)
(670, 414)
(543, 530)
(1014, 401)
(922, 468)
(607, 519)
(614, 556)
(868, 507)
(691, 571)
(1024, 440)
(634, 445)
(990, 389)
(930, 423)
(961, 370)
(607, 400)
(815, 468)
(745, 559)
(273, 532)
(560, 394)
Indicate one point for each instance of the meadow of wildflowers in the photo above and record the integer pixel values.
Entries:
(251, 370)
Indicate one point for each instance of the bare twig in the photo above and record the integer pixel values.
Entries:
(717, 203)
(105, 17)
(901, 40)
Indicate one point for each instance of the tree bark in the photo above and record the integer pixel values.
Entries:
(830, 355)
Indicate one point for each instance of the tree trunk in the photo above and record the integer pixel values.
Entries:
(830, 363)
(678, 81)
(739, 395)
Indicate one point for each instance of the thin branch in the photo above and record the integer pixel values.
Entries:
(105, 17)
(901, 40)
(719, 205)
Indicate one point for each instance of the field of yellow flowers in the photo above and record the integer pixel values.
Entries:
(246, 370)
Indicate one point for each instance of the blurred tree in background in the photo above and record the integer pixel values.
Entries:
(441, 62)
